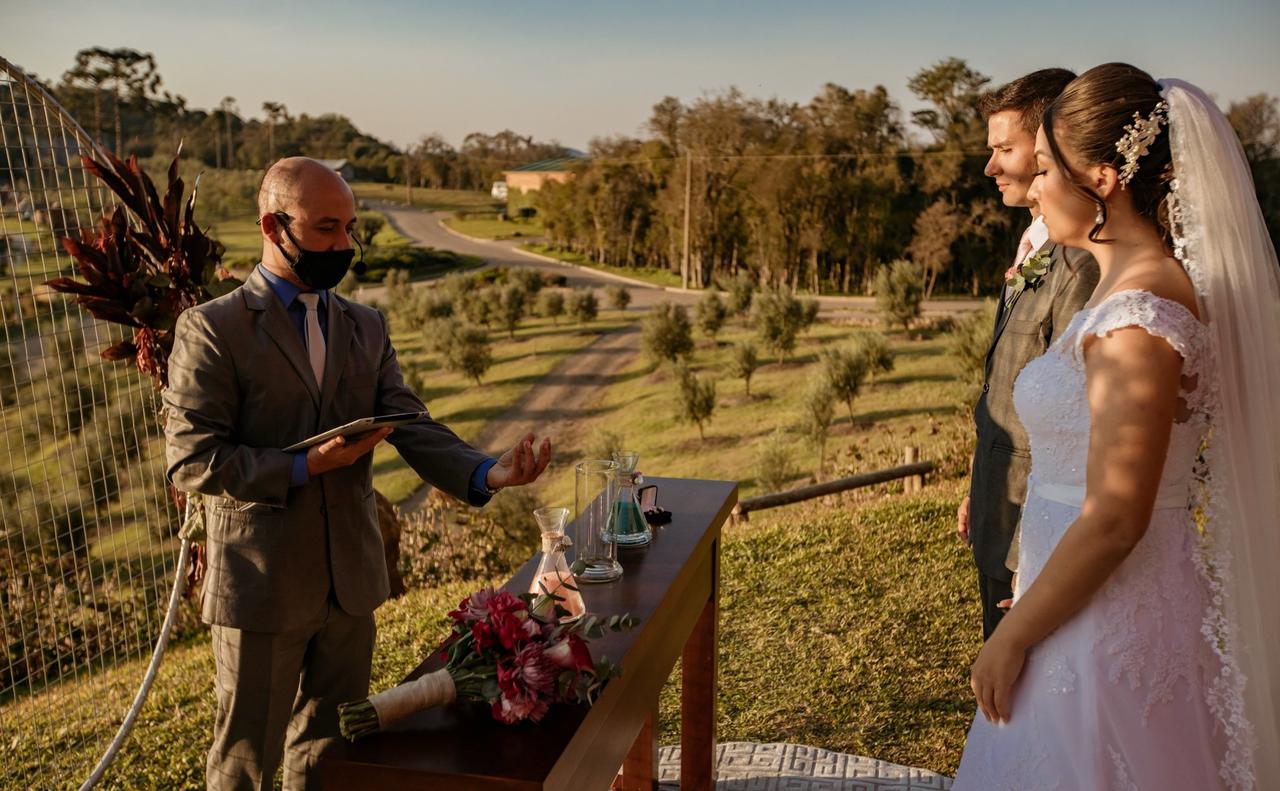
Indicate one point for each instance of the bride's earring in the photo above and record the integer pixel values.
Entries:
(1100, 217)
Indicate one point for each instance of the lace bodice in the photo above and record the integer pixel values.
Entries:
(1049, 393)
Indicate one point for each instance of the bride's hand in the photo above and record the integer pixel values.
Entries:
(993, 675)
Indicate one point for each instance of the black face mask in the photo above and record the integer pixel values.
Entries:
(320, 270)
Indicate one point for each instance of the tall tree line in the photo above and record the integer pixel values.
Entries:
(806, 196)
(119, 96)
(816, 196)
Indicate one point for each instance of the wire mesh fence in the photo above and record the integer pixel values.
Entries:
(87, 527)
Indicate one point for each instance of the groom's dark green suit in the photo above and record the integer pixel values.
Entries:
(1025, 327)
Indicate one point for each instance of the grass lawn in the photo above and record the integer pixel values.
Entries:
(919, 403)
(865, 649)
(539, 345)
(492, 228)
(429, 199)
(658, 277)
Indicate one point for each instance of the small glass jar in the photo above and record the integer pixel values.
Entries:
(553, 584)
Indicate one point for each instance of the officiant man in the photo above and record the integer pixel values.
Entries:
(295, 558)
(1029, 317)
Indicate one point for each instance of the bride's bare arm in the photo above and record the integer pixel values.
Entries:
(1132, 379)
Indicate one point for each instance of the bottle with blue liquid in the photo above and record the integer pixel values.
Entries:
(629, 526)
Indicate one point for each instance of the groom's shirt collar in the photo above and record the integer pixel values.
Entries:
(1038, 234)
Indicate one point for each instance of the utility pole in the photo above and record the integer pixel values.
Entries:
(688, 191)
(408, 181)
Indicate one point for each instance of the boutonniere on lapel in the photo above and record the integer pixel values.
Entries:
(1027, 275)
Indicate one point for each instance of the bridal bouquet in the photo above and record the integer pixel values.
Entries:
(503, 654)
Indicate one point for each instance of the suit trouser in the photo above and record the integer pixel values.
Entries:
(278, 695)
(992, 591)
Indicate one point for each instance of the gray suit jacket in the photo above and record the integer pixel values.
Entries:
(1002, 459)
(241, 388)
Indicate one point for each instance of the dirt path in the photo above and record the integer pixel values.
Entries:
(556, 405)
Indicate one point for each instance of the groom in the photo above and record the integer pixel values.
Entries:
(1028, 319)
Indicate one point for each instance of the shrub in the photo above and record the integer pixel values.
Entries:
(899, 288)
(63, 402)
(551, 305)
(744, 363)
(582, 305)
(666, 333)
(844, 371)
(808, 313)
(530, 280)
(779, 319)
(697, 397)
(464, 349)
(873, 347)
(819, 410)
(711, 314)
(480, 306)
(444, 544)
(97, 472)
(418, 307)
(368, 224)
(968, 345)
(741, 291)
(774, 468)
(512, 307)
(604, 443)
(414, 260)
(619, 297)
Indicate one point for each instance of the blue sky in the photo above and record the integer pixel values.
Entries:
(575, 70)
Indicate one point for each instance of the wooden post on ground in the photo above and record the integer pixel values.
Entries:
(912, 484)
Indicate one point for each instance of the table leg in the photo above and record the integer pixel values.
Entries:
(640, 769)
(698, 704)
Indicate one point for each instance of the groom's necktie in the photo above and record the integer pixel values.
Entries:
(315, 338)
(1024, 249)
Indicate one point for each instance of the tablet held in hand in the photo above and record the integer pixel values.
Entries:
(361, 426)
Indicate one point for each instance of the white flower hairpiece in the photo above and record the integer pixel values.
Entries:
(1138, 137)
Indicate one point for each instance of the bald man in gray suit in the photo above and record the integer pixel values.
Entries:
(295, 558)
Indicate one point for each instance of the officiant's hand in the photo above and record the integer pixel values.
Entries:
(342, 451)
(962, 522)
(519, 465)
(993, 675)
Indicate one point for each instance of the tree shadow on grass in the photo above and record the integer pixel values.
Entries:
(536, 416)
(868, 419)
(902, 380)
(712, 442)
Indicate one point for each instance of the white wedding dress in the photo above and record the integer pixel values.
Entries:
(1123, 695)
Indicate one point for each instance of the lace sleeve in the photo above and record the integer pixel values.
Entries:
(1160, 317)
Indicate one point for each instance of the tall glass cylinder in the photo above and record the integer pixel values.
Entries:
(594, 493)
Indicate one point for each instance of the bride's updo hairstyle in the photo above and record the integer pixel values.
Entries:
(1090, 119)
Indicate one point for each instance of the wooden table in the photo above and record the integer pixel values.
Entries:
(672, 587)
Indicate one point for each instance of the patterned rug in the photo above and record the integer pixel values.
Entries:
(747, 766)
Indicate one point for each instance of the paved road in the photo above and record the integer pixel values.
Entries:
(425, 228)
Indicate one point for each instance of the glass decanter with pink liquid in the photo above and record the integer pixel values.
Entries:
(553, 582)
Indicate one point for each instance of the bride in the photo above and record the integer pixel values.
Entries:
(1143, 647)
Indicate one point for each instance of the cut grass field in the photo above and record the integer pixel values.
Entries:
(847, 623)
(647, 274)
(847, 628)
(493, 228)
(539, 345)
(919, 403)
